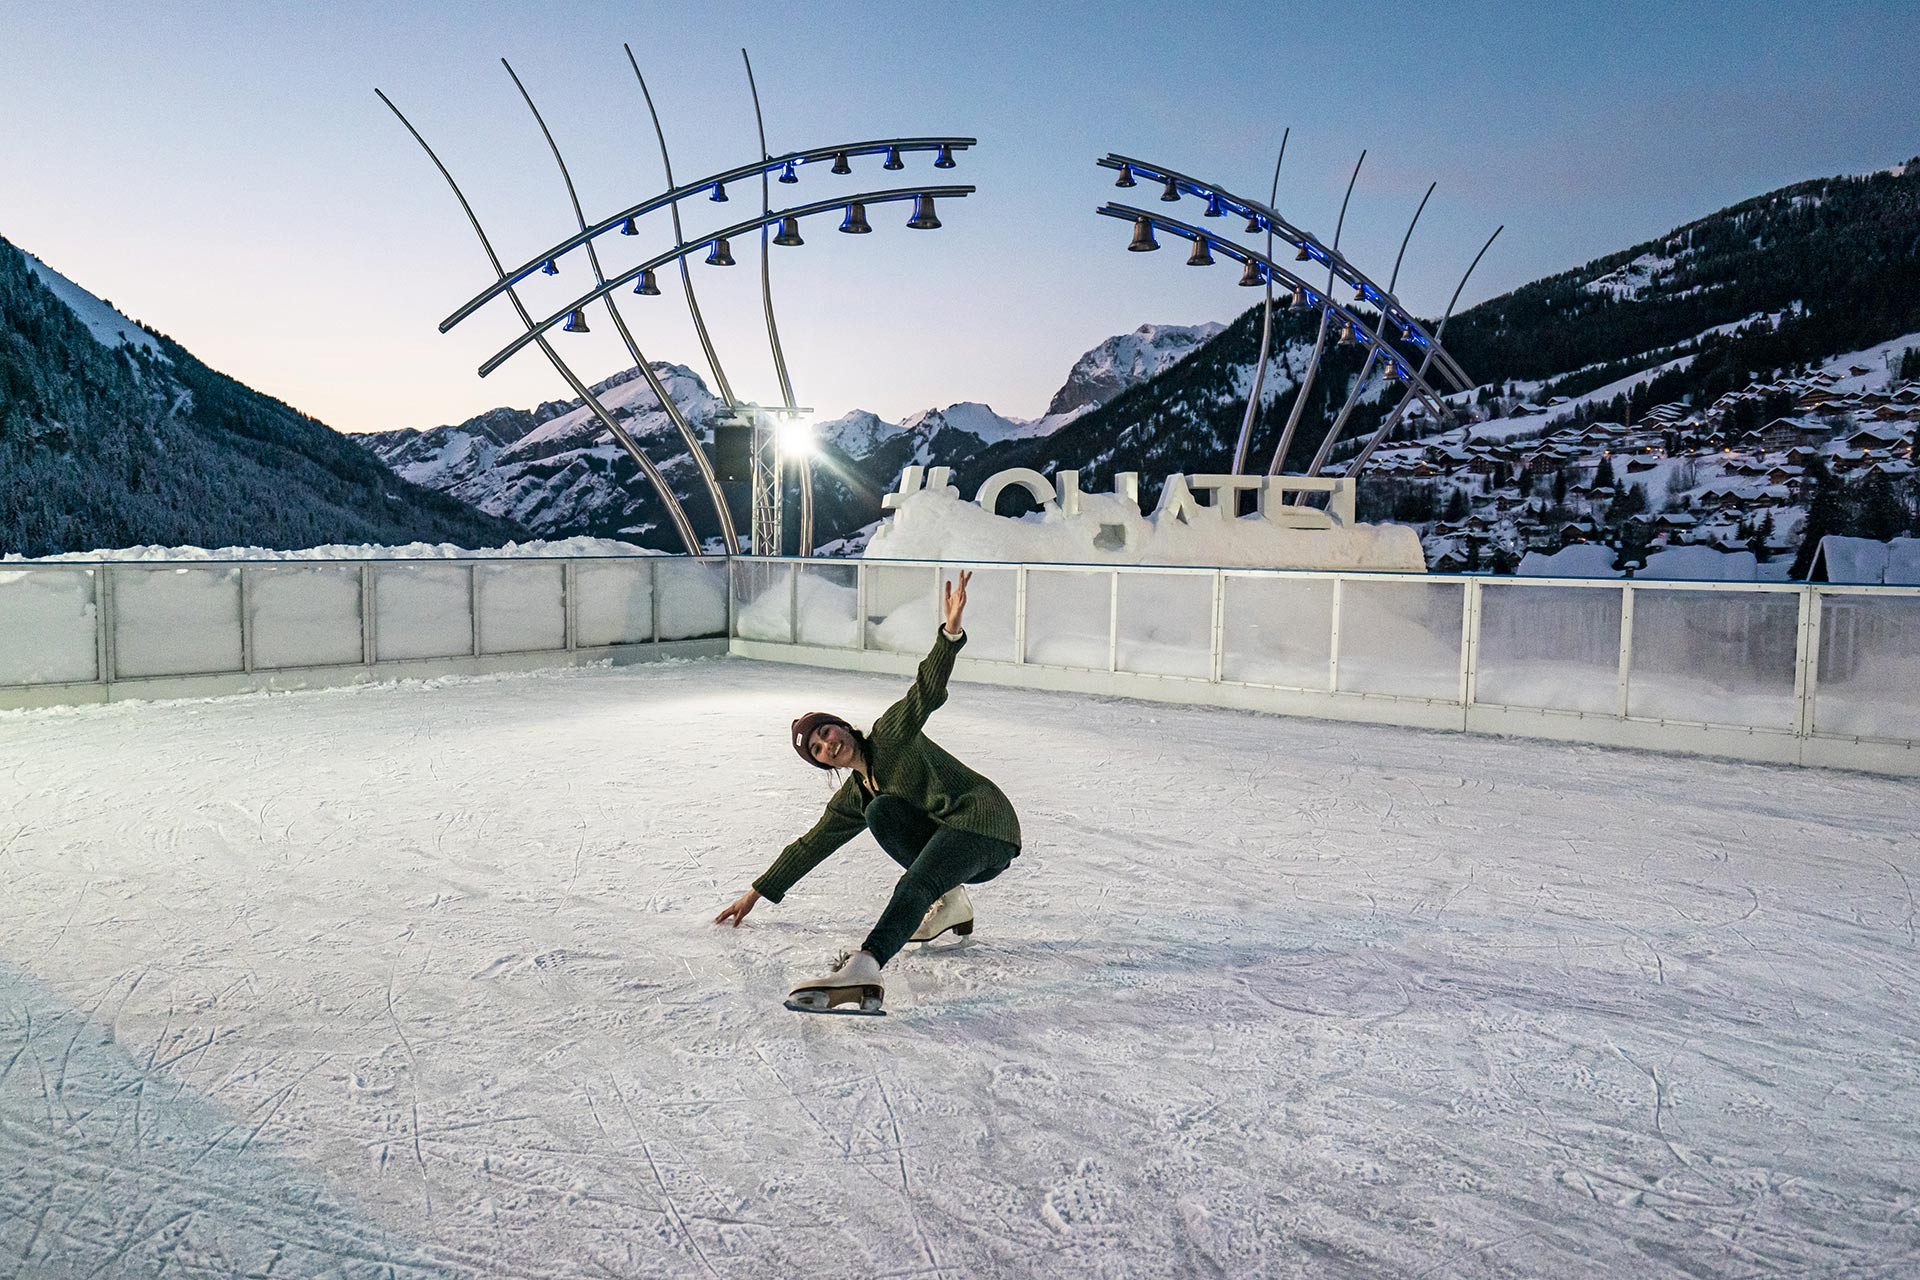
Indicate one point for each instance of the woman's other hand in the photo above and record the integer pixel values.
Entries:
(953, 602)
(738, 911)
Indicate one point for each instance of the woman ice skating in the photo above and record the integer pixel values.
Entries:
(948, 826)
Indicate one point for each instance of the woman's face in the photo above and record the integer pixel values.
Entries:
(832, 746)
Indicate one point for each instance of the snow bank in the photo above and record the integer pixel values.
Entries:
(559, 548)
(1700, 564)
(931, 525)
(1870, 562)
(1576, 560)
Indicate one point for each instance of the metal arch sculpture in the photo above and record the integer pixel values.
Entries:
(675, 511)
(538, 333)
(1414, 337)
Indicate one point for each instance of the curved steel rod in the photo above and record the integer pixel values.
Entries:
(686, 277)
(1393, 419)
(1266, 330)
(1320, 340)
(1325, 450)
(619, 433)
(1301, 240)
(1362, 327)
(773, 329)
(728, 536)
(687, 191)
(680, 251)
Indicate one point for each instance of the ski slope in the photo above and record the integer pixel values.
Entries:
(418, 981)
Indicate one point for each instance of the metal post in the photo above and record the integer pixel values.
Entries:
(473, 605)
(246, 620)
(653, 600)
(569, 606)
(1113, 622)
(369, 652)
(860, 599)
(102, 628)
(1469, 644)
(793, 604)
(1020, 615)
(1806, 663)
(1626, 645)
(1333, 641)
(1219, 626)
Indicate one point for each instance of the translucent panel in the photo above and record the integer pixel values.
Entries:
(47, 622)
(693, 598)
(1869, 682)
(1277, 631)
(173, 622)
(523, 607)
(1166, 623)
(1717, 657)
(1401, 638)
(1069, 618)
(991, 605)
(763, 601)
(902, 607)
(304, 617)
(829, 604)
(422, 611)
(613, 602)
(1552, 647)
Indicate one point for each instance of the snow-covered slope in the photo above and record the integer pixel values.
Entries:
(106, 324)
(1125, 361)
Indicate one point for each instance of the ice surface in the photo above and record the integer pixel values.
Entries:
(419, 977)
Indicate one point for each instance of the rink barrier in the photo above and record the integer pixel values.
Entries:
(100, 631)
(1806, 674)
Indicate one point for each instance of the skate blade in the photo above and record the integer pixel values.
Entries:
(856, 1011)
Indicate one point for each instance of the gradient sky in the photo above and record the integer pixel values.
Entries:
(223, 171)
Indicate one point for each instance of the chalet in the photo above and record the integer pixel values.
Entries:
(1858, 371)
(1877, 438)
(1636, 465)
(1780, 474)
(1785, 433)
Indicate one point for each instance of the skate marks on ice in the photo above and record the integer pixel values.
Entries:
(1261, 997)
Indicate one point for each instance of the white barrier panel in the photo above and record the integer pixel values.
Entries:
(523, 606)
(1070, 618)
(304, 616)
(423, 611)
(1869, 670)
(1401, 637)
(613, 602)
(1166, 624)
(692, 597)
(1821, 676)
(49, 626)
(1277, 631)
(1714, 657)
(176, 621)
(1552, 648)
(763, 597)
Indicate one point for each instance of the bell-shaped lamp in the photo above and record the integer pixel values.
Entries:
(648, 286)
(855, 223)
(789, 232)
(1172, 192)
(840, 164)
(550, 268)
(893, 160)
(719, 195)
(1253, 277)
(628, 228)
(1126, 177)
(787, 175)
(923, 217)
(1143, 241)
(944, 159)
(576, 322)
(721, 255)
(1202, 255)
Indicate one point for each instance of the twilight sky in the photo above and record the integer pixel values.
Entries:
(223, 171)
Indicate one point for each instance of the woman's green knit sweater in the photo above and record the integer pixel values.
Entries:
(906, 763)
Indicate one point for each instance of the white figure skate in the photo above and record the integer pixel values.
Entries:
(855, 980)
(951, 913)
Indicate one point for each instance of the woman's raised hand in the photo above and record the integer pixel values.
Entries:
(953, 601)
(738, 911)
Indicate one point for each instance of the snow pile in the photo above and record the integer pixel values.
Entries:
(558, 548)
(1871, 562)
(1701, 564)
(1576, 560)
(108, 327)
(1109, 529)
(1632, 280)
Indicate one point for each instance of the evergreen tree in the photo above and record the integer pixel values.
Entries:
(1881, 513)
(1560, 486)
(1825, 514)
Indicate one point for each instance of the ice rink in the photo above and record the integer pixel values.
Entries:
(418, 980)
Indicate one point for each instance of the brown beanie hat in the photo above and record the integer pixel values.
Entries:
(803, 730)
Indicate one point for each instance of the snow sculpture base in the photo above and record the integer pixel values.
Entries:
(935, 523)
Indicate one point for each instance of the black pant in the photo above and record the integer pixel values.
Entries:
(936, 859)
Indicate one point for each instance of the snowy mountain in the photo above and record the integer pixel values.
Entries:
(1128, 360)
(554, 470)
(112, 435)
